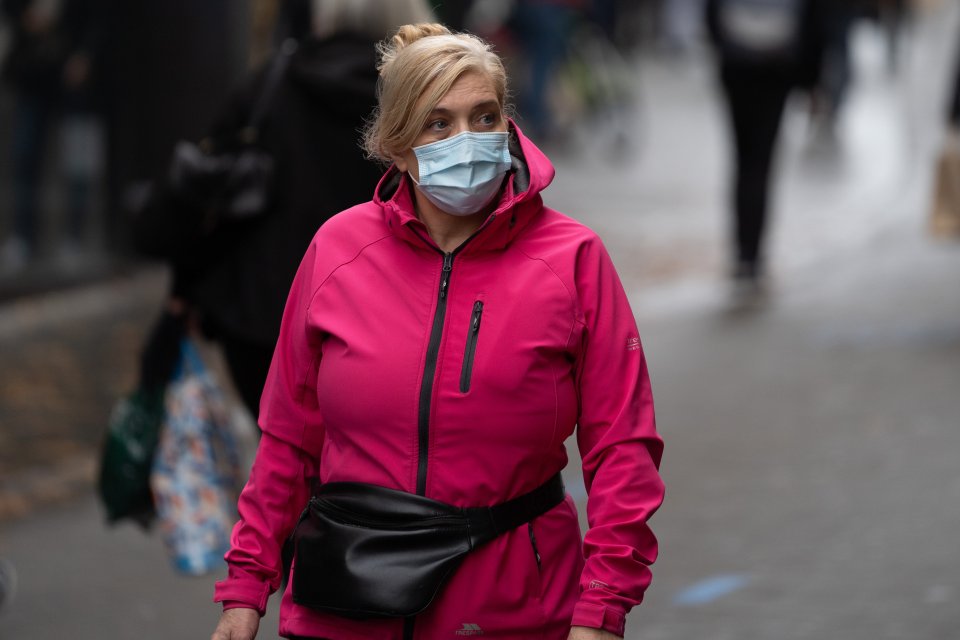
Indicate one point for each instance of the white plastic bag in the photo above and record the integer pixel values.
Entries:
(197, 473)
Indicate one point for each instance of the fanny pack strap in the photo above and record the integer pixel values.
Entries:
(486, 523)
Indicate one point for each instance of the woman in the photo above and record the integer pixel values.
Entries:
(444, 339)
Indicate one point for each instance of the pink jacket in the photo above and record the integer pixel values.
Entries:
(460, 376)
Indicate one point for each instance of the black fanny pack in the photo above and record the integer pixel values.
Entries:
(363, 551)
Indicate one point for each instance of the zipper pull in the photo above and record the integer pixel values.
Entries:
(445, 279)
(477, 310)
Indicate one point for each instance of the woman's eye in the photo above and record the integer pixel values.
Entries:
(488, 119)
(437, 125)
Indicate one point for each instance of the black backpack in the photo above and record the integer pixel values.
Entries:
(761, 31)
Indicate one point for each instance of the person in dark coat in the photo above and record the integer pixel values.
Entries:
(542, 28)
(236, 278)
(52, 68)
(757, 78)
(953, 113)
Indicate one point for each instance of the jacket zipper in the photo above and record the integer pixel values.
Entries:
(429, 371)
(426, 392)
(468, 355)
(426, 387)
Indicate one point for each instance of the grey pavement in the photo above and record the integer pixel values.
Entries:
(66, 357)
(811, 444)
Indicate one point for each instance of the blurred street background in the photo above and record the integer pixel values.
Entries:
(812, 439)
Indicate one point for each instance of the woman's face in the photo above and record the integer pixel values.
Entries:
(470, 105)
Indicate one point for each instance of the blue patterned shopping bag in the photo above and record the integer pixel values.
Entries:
(197, 473)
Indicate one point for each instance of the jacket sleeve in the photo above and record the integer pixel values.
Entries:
(620, 448)
(287, 458)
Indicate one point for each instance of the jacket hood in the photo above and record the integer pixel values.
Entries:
(339, 71)
(530, 173)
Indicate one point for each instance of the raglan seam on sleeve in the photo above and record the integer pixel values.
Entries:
(578, 312)
(344, 263)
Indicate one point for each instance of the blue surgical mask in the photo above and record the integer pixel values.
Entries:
(463, 173)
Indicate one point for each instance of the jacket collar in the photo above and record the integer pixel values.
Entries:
(519, 204)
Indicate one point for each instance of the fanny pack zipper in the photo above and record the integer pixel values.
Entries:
(346, 516)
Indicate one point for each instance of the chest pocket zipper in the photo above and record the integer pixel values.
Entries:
(468, 355)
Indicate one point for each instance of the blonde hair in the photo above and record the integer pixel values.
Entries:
(419, 64)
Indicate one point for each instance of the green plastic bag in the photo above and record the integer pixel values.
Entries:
(135, 424)
(127, 457)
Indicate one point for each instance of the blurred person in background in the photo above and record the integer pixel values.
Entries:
(51, 66)
(765, 49)
(440, 343)
(541, 29)
(82, 137)
(953, 112)
(836, 76)
(8, 583)
(453, 13)
(944, 221)
(235, 280)
(619, 20)
(652, 19)
(681, 24)
(893, 15)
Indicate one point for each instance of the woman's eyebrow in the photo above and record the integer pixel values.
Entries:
(486, 104)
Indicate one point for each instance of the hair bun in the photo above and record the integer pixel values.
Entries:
(405, 36)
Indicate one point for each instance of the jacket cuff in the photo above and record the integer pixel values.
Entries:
(233, 604)
(235, 593)
(587, 614)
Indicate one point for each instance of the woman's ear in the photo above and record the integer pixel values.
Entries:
(400, 162)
